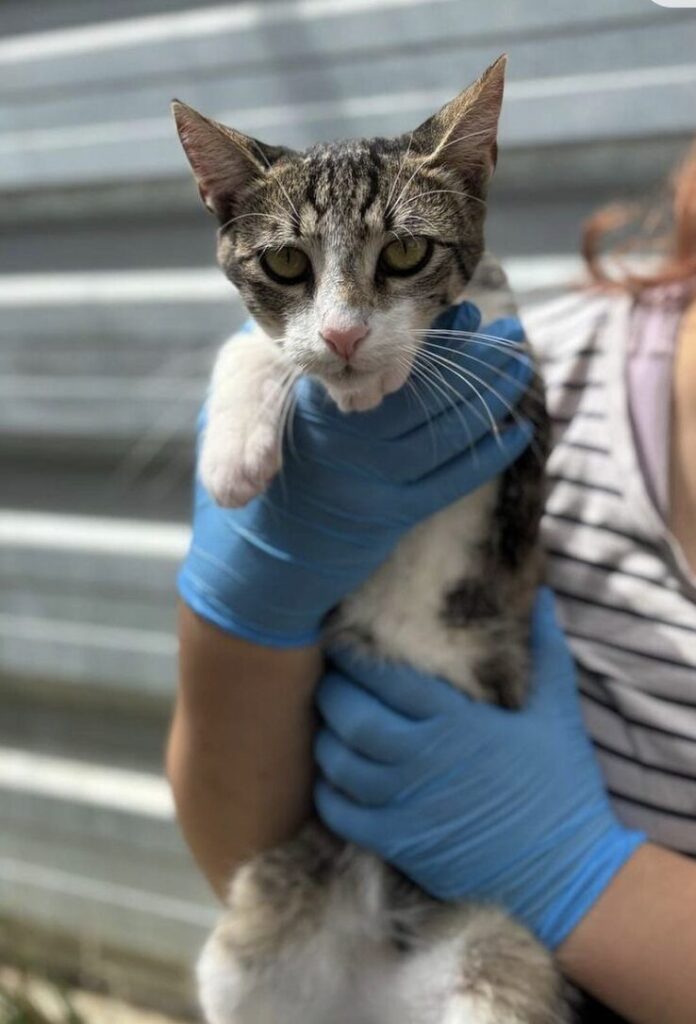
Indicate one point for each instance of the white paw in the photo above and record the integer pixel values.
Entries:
(221, 983)
(238, 462)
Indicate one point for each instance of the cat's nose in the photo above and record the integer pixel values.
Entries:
(344, 340)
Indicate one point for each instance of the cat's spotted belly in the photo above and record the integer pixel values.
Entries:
(400, 613)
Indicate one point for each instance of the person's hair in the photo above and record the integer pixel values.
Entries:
(675, 247)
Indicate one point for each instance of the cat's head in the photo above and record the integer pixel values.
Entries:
(345, 253)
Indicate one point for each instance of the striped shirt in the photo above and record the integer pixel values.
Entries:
(626, 595)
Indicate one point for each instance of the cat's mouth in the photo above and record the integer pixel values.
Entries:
(349, 372)
(356, 390)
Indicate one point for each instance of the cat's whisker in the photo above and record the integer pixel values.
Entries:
(445, 332)
(535, 392)
(242, 216)
(514, 347)
(428, 345)
(415, 376)
(289, 417)
(424, 364)
(278, 182)
(466, 377)
(284, 220)
(286, 420)
(402, 164)
(437, 387)
(419, 218)
(284, 395)
(513, 413)
(440, 191)
(419, 378)
(395, 207)
(407, 230)
(532, 388)
(464, 137)
(162, 429)
(521, 357)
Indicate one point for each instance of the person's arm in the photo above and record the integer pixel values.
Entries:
(239, 758)
(635, 950)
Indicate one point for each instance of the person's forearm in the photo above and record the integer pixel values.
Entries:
(636, 949)
(239, 758)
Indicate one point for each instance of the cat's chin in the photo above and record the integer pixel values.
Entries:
(367, 393)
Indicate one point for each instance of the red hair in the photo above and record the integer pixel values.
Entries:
(676, 246)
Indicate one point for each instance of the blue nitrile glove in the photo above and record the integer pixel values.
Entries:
(351, 485)
(469, 800)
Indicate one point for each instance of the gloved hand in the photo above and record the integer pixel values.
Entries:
(352, 484)
(469, 800)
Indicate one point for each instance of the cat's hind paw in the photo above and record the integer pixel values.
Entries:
(222, 983)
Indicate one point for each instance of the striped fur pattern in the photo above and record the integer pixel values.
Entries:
(318, 931)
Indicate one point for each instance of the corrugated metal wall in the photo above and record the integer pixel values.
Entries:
(110, 311)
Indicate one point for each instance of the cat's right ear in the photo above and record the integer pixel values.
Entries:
(224, 161)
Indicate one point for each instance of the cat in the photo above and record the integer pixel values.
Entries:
(375, 235)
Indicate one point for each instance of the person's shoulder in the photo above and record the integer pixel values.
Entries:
(562, 327)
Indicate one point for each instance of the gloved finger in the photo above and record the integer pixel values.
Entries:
(553, 666)
(365, 781)
(464, 317)
(469, 470)
(351, 821)
(506, 332)
(411, 693)
(460, 425)
(363, 722)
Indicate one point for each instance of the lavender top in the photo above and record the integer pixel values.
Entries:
(651, 351)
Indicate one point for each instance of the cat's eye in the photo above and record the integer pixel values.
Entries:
(405, 255)
(287, 265)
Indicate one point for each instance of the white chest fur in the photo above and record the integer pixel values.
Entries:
(401, 606)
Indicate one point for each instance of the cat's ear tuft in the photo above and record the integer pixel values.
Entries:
(463, 134)
(224, 161)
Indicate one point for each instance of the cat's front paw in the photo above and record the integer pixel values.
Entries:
(238, 464)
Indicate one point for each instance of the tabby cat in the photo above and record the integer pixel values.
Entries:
(375, 235)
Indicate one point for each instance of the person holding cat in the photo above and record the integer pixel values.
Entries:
(474, 801)
(468, 800)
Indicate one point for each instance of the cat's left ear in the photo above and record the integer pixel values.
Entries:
(224, 161)
(463, 134)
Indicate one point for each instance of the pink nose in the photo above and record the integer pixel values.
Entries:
(344, 340)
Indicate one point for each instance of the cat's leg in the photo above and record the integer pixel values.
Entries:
(242, 441)
(284, 949)
(474, 965)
